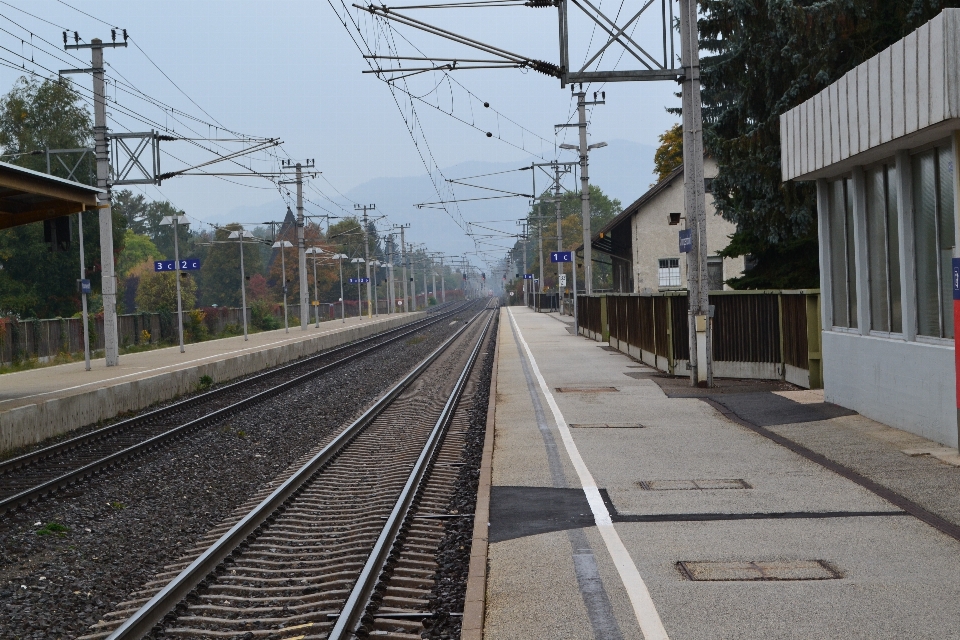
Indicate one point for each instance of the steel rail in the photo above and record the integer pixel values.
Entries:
(359, 598)
(165, 601)
(72, 477)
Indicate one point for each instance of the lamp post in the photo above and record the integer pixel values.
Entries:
(315, 251)
(343, 312)
(358, 262)
(284, 244)
(240, 235)
(174, 221)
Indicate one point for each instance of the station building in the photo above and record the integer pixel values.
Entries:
(883, 145)
(643, 246)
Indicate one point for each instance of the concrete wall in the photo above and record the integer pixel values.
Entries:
(653, 238)
(32, 423)
(908, 385)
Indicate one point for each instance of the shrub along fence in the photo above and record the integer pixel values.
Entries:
(769, 335)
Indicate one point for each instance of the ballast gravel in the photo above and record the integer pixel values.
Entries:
(71, 558)
(453, 556)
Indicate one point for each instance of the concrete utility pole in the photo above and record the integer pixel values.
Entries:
(701, 356)
(524, 224)
(301, 245)
(403, 265)
(107, 269)
(426, 303)
(584, 150)
(366, 250)
(556, 204)
(413, 277)
(443, 286)
(390, 289)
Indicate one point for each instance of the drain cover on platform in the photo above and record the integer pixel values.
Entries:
(759, 570)
(587, 389)
(608, 425)
(678, 485)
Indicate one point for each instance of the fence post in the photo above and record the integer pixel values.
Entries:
(782, 366)
(814, 357)
(671, 362)
(604, 327)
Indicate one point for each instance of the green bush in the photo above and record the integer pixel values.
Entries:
(262, 316)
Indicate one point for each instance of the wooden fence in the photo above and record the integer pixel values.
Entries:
(771, 335)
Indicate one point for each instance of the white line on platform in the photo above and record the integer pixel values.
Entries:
(259, 347)
(643, 607)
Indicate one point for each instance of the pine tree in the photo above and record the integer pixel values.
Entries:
(760, 58)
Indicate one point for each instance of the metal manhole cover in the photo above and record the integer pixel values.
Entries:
(609, 425)
(758, 570)
(695, 485)
(587, 389)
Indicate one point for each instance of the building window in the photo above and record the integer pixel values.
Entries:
(935, 237)
(883, 249)
(715, 273)
(842, 268)
(668, 273)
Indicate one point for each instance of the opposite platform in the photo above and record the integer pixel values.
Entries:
(44, 402)
(619, 510)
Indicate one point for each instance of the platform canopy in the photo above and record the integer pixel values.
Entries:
(30, 196)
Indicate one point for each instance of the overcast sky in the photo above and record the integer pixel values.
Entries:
(290, 70)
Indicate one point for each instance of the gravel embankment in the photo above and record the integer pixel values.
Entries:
(69, 559)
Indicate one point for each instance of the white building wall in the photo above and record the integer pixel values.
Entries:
(908, 385)
(653, 238)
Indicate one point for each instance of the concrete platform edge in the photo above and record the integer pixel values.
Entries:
(474, 606)
(29, 424)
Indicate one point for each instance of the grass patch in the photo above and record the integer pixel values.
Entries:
(117, 506)
(205, 383)
(53, 528)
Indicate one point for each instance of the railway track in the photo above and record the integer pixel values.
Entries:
(345, 543)
(32, 476)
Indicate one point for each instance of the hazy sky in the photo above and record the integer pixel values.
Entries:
(290, 70)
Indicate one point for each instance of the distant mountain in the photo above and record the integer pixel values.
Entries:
(623, 169)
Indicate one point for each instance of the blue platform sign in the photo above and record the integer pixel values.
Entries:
(686, 240)
(85, 286)
(561, 256)
(528, 276)
(190, 264)
(359, 280)
(956, 278)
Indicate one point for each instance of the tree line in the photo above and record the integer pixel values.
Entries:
(36, 282)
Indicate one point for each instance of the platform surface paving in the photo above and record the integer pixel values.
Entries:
(709, 529)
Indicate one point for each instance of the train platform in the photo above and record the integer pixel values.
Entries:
(39, 403)
(625, 504)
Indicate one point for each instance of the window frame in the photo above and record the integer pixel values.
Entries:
(661, 269)
(884, 166)
(935, 147)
